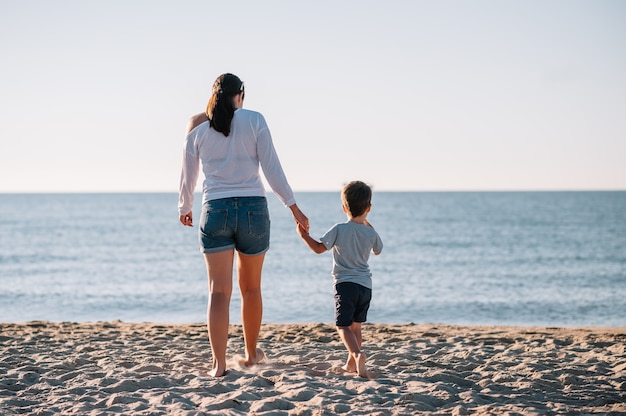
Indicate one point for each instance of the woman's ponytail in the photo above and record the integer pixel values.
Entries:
(220, 109)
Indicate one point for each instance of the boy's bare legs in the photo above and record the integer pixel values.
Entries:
(249, 271)
(351, 337)
(220, 271)
(350, 365)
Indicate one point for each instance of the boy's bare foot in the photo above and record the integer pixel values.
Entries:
(361, 370)
(260, 357)
(350, 366)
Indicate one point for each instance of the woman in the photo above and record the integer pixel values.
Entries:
(232, 143)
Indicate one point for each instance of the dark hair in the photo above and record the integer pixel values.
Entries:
(357, 197)
(220, 109)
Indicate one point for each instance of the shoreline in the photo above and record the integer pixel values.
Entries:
(151, 368)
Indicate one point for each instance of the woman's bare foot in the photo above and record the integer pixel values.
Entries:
(217, 371)
(260, 356)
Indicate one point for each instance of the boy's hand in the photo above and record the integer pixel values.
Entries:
(313, 244)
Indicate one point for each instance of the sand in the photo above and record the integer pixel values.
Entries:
(127, 368)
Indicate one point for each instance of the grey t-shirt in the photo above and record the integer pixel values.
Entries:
(352, 244)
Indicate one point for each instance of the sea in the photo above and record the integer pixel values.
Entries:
(553, 259)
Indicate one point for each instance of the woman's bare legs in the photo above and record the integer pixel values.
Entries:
(249, 271)
(220, 271)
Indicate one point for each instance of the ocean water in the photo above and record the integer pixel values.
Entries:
(502, 258)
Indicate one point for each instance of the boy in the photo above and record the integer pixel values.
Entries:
(351, 242)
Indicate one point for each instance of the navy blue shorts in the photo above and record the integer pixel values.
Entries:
(242, 223)
(351, 303)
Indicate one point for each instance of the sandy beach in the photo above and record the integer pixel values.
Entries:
(127, 368)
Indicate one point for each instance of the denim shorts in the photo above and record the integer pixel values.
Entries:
(242, 223)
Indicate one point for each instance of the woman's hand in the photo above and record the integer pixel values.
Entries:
(299, 217)
(187, 219)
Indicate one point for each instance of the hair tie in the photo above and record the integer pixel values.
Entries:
(217, 88)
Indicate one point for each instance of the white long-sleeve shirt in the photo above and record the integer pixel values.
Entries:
(231, 164)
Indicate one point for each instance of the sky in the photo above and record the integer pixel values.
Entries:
(405, 95)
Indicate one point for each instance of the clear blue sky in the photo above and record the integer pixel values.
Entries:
(405, 95)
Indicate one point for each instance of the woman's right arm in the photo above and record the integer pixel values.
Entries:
(189, 172)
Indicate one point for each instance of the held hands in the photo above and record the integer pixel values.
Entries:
(301, 231)
(187, 219)
(317, 246)
(300, 218)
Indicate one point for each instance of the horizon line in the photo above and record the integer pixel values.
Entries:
(329, 190)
